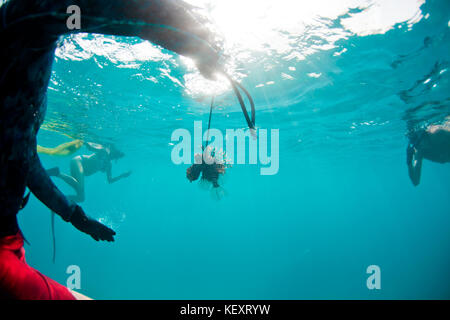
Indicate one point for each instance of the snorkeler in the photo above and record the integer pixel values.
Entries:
(86, 165)
(29, 31)
(432, 143)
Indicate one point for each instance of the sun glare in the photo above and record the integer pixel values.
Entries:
(283, 29)
(259, 34)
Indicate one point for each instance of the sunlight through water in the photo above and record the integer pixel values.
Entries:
(255, 30)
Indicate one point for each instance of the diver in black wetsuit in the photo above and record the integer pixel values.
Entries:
(87, 165)
(29, 30)
(432, 143)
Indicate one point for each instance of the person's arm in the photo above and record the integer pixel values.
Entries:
(43, 188)
(172, 24)
(110, 177)
(414, 163)
(64, 149)
(95, 147)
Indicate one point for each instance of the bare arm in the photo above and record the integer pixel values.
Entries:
(64, 149)
(110, 177)
(95, 147)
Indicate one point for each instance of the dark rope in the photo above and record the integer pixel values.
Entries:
(209, 122)
(53, 235)
(252, 104)
(235, 85)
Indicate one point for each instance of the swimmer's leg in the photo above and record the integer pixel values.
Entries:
(75, 180)
(414, 163)
(77, 175)
(71, 181)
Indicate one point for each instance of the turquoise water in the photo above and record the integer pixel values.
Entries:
(341, 92)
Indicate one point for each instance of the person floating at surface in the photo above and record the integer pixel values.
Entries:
(432, 143)
(29, 30)
(65, 149)
(87, 165)
(210, 171)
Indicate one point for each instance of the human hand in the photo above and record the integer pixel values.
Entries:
(126, 174)
(95, 229)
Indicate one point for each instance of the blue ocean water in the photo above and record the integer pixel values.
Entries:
(342, 88)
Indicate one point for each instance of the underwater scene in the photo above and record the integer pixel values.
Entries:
(340, 191)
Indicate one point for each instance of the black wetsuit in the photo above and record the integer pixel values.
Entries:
(28, 35)
(26, 57)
